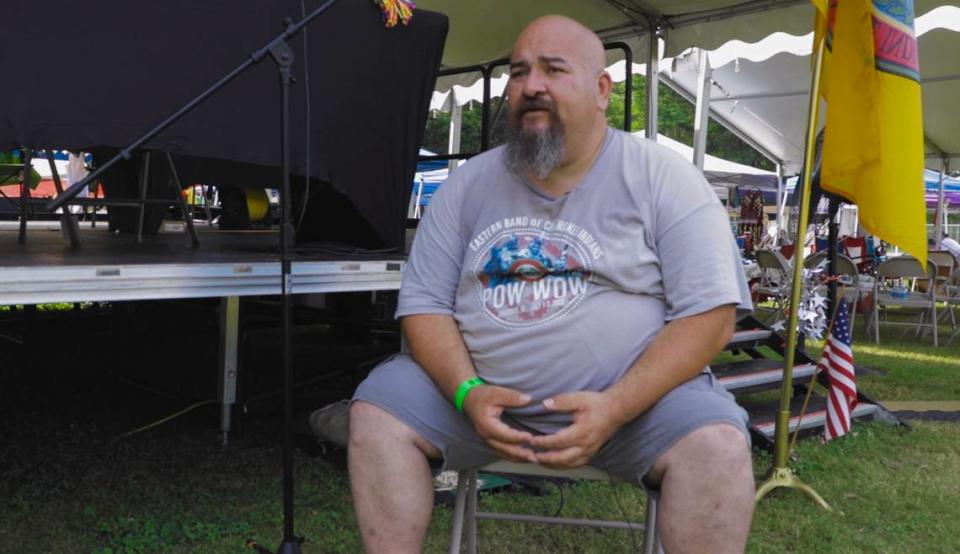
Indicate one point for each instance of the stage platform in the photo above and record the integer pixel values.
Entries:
(110, 266)
(226, 265)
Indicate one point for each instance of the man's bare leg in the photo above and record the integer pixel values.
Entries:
(390, 479)
(707, 492)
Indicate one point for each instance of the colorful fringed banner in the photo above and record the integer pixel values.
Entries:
(395, 11)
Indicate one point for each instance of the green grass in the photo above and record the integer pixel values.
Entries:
(172, 489)
(53, 307)
(893, 490)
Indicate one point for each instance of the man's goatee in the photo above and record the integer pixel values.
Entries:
(535, 152)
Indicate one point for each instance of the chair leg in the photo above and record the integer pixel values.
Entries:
(459, 506)
(651, 535)
(471, 515)
(178, 192)
(934, 322)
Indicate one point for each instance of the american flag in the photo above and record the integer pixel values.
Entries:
(837, 362)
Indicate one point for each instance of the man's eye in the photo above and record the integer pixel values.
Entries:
(554, 69)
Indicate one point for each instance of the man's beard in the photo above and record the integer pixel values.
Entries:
(534, 152)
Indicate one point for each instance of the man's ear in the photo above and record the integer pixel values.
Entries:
(604, 88)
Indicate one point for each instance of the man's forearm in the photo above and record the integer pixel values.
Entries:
(437, 345)
(677, 354)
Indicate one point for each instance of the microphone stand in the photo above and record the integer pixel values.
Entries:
(283, 56)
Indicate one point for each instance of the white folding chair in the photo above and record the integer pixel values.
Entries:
(774, 280)
(885, 296)
(465, 508)
(952, 289)
(946, 264)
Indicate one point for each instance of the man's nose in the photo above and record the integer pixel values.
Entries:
(534, 85)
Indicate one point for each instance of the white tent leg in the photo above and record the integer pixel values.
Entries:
(653, 81)
(456, 122)
(701, 118)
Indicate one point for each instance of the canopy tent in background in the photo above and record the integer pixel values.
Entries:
(723, 174)
(481, 32)
(951, 189)
(761, 81)
(762, 89)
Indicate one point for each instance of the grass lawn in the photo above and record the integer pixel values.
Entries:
(173, 489)
(894, 490)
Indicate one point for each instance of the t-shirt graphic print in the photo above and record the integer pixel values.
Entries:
(532, 271)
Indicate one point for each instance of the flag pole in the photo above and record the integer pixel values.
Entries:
(781, 475)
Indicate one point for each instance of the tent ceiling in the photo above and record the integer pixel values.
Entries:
(767, 100)
(484, 31)
(764, 101)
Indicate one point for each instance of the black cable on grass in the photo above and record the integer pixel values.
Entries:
(560, 507)
(625, 516)
(163, 420)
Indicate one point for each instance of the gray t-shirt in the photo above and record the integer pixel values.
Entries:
(563, 294)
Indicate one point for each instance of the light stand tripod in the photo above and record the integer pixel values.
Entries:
(282, 55)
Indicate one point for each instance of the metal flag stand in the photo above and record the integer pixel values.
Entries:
(781, 475)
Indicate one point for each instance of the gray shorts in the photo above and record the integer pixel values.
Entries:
(401, 387)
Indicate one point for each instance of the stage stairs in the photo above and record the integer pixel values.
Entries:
(753, 371)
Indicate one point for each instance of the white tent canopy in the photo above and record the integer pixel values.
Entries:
(722, 174)
(762, 90)
(760, 86)
(481, 32)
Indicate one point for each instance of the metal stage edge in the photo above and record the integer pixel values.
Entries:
(99, 282)
(115, 282)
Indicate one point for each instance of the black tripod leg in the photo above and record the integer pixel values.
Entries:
(25, 194)
(178, 190)
(142, 206)
(68, 222)
(206, 204)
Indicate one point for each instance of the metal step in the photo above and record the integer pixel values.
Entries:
(764, 422)
(749, 338)
(758, 375)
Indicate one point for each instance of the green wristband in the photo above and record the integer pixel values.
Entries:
(464, 389)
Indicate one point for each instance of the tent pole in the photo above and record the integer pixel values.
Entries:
(780, 194)
(940, 224)
(653, 80)
(456, 122)
(701, 118)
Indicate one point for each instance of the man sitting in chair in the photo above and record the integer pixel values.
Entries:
(562, 300)
(950, 245)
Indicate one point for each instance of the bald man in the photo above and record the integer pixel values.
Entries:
(562, 300)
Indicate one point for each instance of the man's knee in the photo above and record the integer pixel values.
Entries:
(718, 447)
(373, 427)
(720, 441)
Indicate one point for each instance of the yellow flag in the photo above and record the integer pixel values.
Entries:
(873, 141)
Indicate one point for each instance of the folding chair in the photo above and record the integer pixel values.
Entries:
(946, 264)
(849, 278)
(774, 280)
(884, 296)
(857, 249)
(465, 507)
(952, 289)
